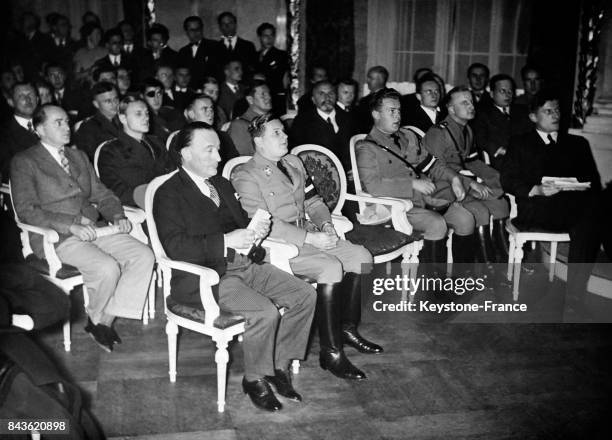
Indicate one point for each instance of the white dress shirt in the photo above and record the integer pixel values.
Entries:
(431, 113)
(544, 136)
(331, 116)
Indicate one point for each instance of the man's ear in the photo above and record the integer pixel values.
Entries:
(249, 100)
(532, 117)
(185, 154)
(257, 142)
(375, 115)
(419, 97)
(95, 104)
(122, 119)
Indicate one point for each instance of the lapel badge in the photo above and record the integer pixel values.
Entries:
(268, 170)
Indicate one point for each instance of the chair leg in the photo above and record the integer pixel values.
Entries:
(449, 253)
(518, 258)
(153, 292)
(67, 335)
(553, 260)
(406, 271)
(221, 358)
(145, 311)
(295, 366)
(172, 332)
(511, 248)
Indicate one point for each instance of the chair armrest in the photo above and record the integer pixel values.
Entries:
(134, 215)
(208, 278)
(399, 207)
(280, 253)
(48, 234)
(341, 224)
(50, 237)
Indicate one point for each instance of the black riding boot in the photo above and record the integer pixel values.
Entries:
(332, 356)
(485, 253)
(500, 239)
(351, 315)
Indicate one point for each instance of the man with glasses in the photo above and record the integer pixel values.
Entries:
(323, 125)
(198, 55)
(427, 112)
(497, 121)
(103, 125)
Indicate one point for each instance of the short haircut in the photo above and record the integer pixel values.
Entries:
(192, 102)
(529, 68)
(428, 77)
(151, 82)
(230, 61)
(26, 84)
(449, 96)
(158, 28)
(377, 98)
(54, 66)
(113, 32)
(542, 98)
(222, 15)
(501, 77)
(257, 127)
(191, 18)
(210, 80)
(184, 138)
(311, 69)
(41, 83)
(420, 72)
(163, 66)
(478, 66)
(182, 66)
(88, 28)
(253, 85)
(347, 82)
(379, 69)
(324, 82)
(102, 69)
(126, 101)
(33, 15)
(264, 26)
(40, 114)
(102, 87)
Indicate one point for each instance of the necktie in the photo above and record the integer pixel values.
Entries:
(551, 141)
(64, 160)
(506, 111)
(58, 98)
(214, 195)
(396, 140)
(283, 169)
(30, 127)
(331, 124)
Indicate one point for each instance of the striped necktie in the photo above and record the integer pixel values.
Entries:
(64, 160)
(214, 195)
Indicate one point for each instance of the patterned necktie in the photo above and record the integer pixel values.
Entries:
(283, 169)
(64, 160)
(551, 141)
(30, 127)
(214, 195)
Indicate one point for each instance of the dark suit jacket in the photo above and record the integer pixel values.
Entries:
(273, 64)
(529, 159)
(124, 163)
(13, 139)
(63, 55)
(148, 64)
(45, 195)
(493, 129)
(95, 130)
(202, 65)
(417, 117)
(227, 98)
(191, 229)
(128, 62)
(310, 128)
(33, 52)
(75, 101)
(244, 51)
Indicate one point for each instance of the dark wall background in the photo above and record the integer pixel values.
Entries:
(330, 38)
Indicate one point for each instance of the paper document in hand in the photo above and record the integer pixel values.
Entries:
(260, 215)
(566, 183)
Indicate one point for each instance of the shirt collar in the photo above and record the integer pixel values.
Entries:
(53, 151)
(501, 109)
(327, 115)
(342, 106)
(22, 121)
(199, 182)
(544, 136)
(431, 112)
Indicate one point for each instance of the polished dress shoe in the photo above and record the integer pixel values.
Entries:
(338, 365)
(101, 334)
(282, 382)
(352, 337)
(261, 394)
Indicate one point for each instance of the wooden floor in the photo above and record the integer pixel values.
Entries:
(439, 378)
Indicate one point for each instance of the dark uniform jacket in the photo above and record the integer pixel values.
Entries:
(95, 130)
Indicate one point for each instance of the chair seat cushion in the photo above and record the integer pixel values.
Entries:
(380, 239)
(223, 321)
(515, 227)
(42, 267)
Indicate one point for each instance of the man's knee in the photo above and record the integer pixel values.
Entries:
(331, 270)
(460, 219)
(479, 211)
(436, 227)
(108, 269)
(499, 208)
(267, 316)
(360, 260)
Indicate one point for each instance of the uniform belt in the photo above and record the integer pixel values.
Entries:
(471, 159)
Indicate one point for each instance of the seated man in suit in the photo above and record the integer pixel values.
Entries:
(277, 182)
(232, 47)
(498, 120)
(452, 141)
(165, 75)
(532, 84)
(199, 53)
(134, 158)
(346, 93)
(274, 64)
(158, 52)
(103, 125)
(18, 131)
(546, 152)
(200, 221)
(56, 187)
(478, 79)
(425, 112)
(231, 90)
(392, 163)
(376, 78)
(260, 103)
(323, 125)
(202, 109)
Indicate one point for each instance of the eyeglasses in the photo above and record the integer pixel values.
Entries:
(153, 93)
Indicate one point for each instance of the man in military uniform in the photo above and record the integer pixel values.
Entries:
(393, 163)
(452, 141)
(277, 182)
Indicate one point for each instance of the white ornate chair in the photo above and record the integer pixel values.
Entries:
(137, 218)
(222, 327)
(517, 238)
(64, 276)
(170, 137)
